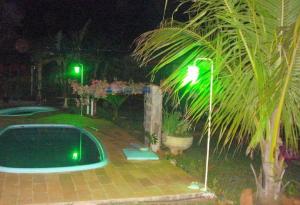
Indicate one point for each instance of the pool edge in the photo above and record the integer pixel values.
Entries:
(97, 141)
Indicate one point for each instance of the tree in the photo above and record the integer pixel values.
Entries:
(255, 46)
(61, 55)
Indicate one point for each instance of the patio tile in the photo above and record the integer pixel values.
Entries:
(155, 190)
(53, 178)
(100, 172)
(136, 185)
(12, 179)
(129, 178)
(91, 177)
(38, 178)
(12, 190)
(40, 197)
(55, 196)
(70, 195)
(78, 179)
(26, 178)
(81, 187)
(26, 183)
(118, 179)
(111, 191)
(98, 194)
(26, 191)
(84, 195)
(94, 185)
(39, 187)
(8, 200)
(53, 186)
(66, 182)
(24, 201)
(104, 179)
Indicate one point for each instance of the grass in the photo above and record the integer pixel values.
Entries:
(228, 174)
(58, 118)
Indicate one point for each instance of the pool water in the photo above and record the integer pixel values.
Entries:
(29, 147)
(20, 112)
(25, 111)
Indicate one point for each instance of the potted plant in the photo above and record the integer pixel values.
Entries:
(152, 139)
(176, 133)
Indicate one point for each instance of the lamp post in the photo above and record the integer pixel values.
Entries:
(209, 116)
(78, 68)
(192, 76)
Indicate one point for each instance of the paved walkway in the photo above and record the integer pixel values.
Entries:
(119, 181)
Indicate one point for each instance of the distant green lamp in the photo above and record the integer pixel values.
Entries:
(78, 68)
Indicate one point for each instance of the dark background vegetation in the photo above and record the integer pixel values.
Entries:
(30, 27)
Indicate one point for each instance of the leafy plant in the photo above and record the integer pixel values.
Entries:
(174, 125)
(153, 139)
(115, 101)
(293, 188)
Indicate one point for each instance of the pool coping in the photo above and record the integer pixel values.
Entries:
(175, 198)
(103, 161)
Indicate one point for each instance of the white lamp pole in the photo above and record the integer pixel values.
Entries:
(79, 69)
(209, 116)
(81, 81)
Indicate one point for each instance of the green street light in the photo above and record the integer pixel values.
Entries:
(78, 68)
(192, 77)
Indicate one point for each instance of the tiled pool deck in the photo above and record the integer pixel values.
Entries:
(120, 181)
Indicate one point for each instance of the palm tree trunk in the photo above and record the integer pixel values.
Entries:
(65, 86)
(273, 168)
(65, 102)
(39, 82)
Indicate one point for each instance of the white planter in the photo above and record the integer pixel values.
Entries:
(177, 144)
(154, 147)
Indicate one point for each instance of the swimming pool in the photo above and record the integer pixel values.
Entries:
(25, 111)
(49, 148)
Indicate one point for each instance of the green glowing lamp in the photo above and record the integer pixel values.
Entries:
(192, 75)
(75, 156)
(77, 69)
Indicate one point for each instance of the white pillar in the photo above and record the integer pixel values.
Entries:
(92, 107)
(31, 79)
(39, 83)
(153, 115)
(88, 106)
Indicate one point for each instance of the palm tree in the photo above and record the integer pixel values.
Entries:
(255, 46)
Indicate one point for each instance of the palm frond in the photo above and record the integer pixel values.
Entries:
(247, 40)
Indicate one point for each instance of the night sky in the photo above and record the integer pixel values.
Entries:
(119, 21)
(114, 22)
